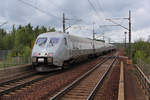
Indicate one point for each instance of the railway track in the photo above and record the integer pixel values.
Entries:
(17, 76)
(18, 83)
(84, 88)
(9, 88)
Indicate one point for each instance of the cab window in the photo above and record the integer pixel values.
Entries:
(41, 41)
(54, 40)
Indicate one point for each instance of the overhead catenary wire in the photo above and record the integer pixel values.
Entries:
(43, 11)
(72, 20)
(102, 10)
(94, 9)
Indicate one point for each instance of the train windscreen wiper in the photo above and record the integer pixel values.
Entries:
(51, 42)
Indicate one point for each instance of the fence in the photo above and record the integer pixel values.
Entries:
(143, 76)
(3, 54)
(144, 67)
(14, 61)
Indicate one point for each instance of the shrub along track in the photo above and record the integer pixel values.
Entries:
(49, 86)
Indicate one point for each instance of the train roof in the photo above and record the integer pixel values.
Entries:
(73, 37)
(51, 34)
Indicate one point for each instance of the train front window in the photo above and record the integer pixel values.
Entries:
(54, 40)
(41, 41)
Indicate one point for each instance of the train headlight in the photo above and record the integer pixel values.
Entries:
(34, 59)
(50, 54)
(35, 54)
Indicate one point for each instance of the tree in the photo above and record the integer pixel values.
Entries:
(141, 50)
(51, 29)
(43, 29)
(21, 40)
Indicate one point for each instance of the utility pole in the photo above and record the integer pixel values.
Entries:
(130, 52)
(64, 29)
(93, 39)
(93, 32)
(103, 36)
(64, 23)
(109, 39)
(125, 39)
(129, 29)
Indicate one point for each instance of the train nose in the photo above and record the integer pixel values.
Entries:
(43, 58)
(43, 54)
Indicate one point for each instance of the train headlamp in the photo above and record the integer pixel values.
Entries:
(50, 54)
(35, 54)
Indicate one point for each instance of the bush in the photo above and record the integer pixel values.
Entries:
(141, 50)
(26, 53)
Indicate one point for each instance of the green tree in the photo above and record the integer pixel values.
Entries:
(21, 40)
(141, 50)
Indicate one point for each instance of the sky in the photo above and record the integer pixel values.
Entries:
(82, 15)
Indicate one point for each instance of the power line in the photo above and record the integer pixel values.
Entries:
(74, 19)
(31, 5)
(63, 10)
(56, 6)
(102, 10)
(100, 6)
(94, 9)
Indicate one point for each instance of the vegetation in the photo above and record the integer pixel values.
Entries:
(20, 40)
(141, 49)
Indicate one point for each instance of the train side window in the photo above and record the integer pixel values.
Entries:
(65, 41)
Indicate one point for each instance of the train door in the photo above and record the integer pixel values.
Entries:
(67, 50)
(70, 47)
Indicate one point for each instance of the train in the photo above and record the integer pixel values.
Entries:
(55, 49)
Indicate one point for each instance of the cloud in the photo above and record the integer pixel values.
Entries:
(16, 12)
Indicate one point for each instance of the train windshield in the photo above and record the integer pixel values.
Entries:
(54, 40)
(41, 41)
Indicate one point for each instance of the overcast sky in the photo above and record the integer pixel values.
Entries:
(83, 14)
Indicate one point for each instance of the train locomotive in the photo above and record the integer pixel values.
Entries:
(54, 49)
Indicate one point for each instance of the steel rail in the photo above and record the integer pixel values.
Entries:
(16, 79)
(92, 94)
(69, 87)
(17, 87)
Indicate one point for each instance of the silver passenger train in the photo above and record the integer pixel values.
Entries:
(54, 49)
